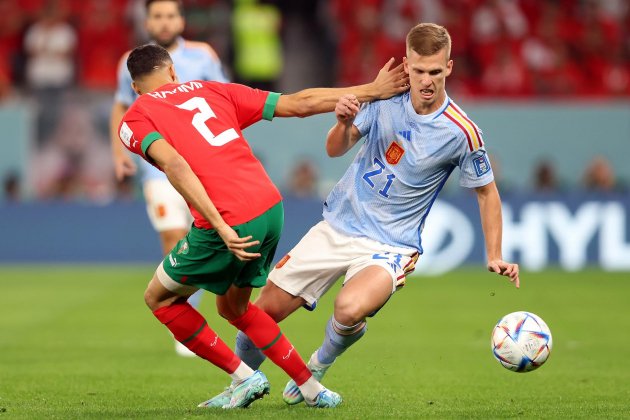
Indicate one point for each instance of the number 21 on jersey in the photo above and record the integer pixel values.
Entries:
(199, 122)
(380, 167)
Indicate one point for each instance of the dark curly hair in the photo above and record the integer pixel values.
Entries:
(145, 59)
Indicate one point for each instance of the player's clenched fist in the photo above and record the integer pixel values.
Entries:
(347, 108)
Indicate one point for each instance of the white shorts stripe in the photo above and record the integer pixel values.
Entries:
(172, 285)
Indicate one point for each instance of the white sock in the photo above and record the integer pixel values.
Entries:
(242, 372)
(311, 388)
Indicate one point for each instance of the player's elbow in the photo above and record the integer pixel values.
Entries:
(174, 166)
(333, 150)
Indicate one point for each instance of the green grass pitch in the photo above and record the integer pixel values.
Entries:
(78, 342)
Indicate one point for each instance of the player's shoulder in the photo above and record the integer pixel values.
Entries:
(383, 104)
(201, 47)
(136, 109)
(397, 100)
(462, 126)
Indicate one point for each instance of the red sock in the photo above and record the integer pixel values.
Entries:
(192, 330)
(266, 335)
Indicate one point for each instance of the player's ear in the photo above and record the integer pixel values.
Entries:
(449, 67)
(172, 74)
(135, 88)
(405, 65)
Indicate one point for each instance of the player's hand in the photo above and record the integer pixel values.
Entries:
(238, 245)
(505, 269)
(346, 109)
(391, 81)
(124, 166)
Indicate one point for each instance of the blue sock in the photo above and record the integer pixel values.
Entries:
(195, 299)
(338, 338)
(248, 352)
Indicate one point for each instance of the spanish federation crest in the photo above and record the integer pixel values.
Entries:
(394, 153)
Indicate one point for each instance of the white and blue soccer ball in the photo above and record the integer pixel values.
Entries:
(521, 341)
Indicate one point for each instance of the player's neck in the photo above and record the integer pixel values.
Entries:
(155, 83)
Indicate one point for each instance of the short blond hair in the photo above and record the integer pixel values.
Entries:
(429, 39)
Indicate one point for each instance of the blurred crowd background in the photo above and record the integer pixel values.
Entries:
(504, 50)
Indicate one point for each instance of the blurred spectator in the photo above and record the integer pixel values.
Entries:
(210, 21)
(545, 54)
(257, 44)
(103, 38)
(501, 49)
(616, 74)
(135, 13)
(599, 38)
(545, 179)
(50, 45)
(11, 25)
(309, 60)
(503, 185)
(363, 47)
(303, 180)
(5, 83)
(519, 47)
(506, 75)
(11, 187)
(76, 161)
(599, 175)
(399, 15)
(495, 22)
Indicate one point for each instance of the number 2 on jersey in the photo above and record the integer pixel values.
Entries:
(379, 170)
(200, 118)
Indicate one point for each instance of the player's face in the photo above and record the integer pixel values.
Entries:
(427, 78)
(164, 23)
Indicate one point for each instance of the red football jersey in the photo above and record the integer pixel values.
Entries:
(203, 122)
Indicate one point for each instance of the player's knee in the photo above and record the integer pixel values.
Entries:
(277, 303)
(276, 313)
(271, 308)
(151, 300)
(155, 298)
(349, 311)
(226, 311)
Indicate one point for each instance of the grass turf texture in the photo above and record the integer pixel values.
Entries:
(78, 342)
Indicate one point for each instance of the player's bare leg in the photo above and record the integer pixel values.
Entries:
(365, 293)
(278, 303)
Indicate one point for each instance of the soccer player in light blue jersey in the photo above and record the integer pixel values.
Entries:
(167, 210)
(374, 216)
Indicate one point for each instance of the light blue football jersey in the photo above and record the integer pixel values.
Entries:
(193, 61)
(389, 188)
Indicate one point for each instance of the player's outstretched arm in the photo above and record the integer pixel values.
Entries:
(492, 225)
(343, 135)
(389, 82)
(123, 163)
(188, 185)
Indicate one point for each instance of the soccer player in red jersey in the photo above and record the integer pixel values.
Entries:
(192, 132)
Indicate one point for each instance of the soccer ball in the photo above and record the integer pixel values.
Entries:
(521, 341)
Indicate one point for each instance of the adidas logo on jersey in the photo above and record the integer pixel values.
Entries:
(406, 134)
